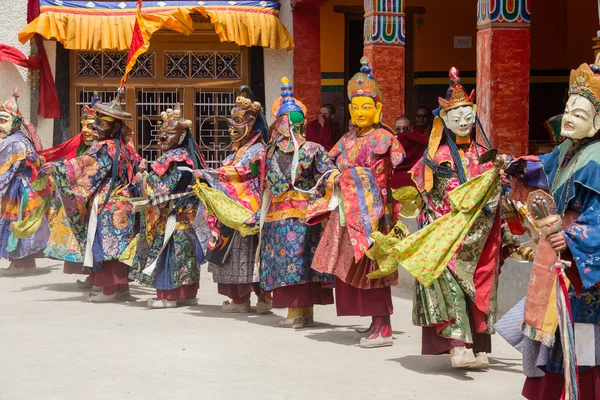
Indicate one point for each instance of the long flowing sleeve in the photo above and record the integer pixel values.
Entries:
(76, 181)
(583, 239)
(239, 179)
(11, 159)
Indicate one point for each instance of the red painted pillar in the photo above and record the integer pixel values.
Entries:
(307, 55)
(384, 47)
(503, 69)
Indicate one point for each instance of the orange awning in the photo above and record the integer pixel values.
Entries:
(81, 25)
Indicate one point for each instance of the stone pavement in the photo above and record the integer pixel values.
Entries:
(56, 346)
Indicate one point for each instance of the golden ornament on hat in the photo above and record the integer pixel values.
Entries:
(585, 82)
(363, 84)
(279, 101)
(458, 97)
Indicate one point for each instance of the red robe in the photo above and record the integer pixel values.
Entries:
(327, 135)
(414, 144)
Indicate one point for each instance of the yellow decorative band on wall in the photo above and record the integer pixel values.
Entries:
(536, 77)
(332, 82)
(442, 81)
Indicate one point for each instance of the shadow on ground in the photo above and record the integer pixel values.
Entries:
(36, 272)
(346, 335)
(440, 365)
(271, 319)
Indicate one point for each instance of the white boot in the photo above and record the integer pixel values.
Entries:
(187, 302)
(295, 323)
(102, 298)
(481, 361)
(231, 307)
(264, 307)
(379, 341)
(161, 303)
(462, 357)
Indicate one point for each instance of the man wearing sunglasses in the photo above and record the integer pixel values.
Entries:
(424, 120)
(402, 124)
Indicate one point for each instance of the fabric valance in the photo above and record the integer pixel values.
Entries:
(89, 25)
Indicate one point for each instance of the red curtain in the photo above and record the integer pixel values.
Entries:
(49, 106)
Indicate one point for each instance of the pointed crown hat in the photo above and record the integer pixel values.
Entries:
(456, 95)
(11, 106)
(585, 82)
(114, 108)
(363, 84)
(287, 103)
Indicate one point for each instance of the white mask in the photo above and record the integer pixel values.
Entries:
(6, 122)
(460, 120)
(580, 119)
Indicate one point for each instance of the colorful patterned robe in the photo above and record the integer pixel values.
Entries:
(571, 176)
(179, 262)
(82, 180)
(472, 273)
(62, 244)
(21, 194)
(288, 244)
(239, 178)
(365, 164)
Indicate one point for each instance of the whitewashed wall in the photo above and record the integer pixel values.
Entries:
(278, 63)
(11, 76)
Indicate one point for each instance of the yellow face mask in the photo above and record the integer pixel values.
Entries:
(365, 113)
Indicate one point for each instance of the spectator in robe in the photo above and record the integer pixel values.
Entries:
(414, 141)
(324, 130)
(402, 124)
(424, 120)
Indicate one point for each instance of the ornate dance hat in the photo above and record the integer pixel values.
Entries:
(113, 109)
(363, 84)
(287, 103)
(585, 82)
(243, 105)
(174, 115)
(87, 112)
(11, 106)
(456, 95)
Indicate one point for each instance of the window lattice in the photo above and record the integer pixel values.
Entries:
(112, 64)
(85, 94)
(203, 65)
(212, 132)
(150, 102)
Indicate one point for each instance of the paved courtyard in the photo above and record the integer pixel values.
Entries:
(55, 345)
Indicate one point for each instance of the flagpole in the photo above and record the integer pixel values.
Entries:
(140, 42)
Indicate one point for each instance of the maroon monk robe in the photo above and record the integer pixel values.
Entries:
(414, 144)
(326, 135)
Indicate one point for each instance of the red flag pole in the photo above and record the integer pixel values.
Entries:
(139, 43)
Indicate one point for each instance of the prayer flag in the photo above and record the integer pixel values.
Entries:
(140, 42)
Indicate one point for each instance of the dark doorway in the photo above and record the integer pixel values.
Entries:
(354, 52)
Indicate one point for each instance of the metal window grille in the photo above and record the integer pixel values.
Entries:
(203, 65)
(112, 64)
(149, 103)
(212, 108)
(85, 94)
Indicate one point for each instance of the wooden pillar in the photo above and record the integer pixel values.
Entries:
(307, 55)
(384, 47)
(503, 69)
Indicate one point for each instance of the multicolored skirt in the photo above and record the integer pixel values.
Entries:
(20, 200)
(287, 250)
(62, 244)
